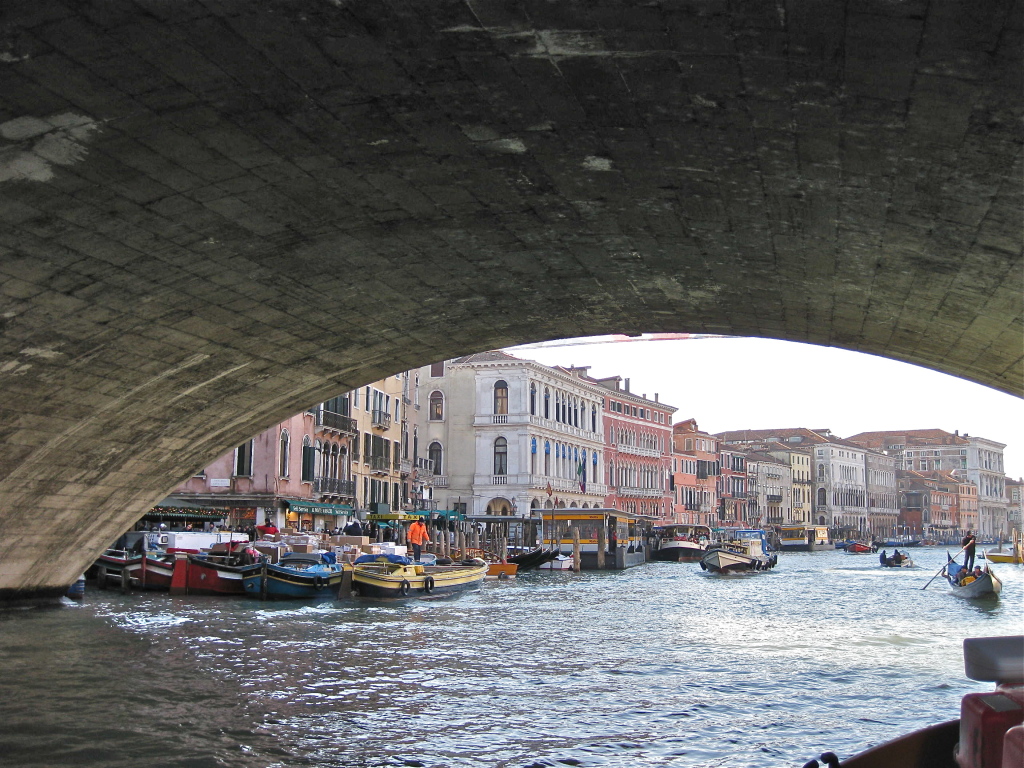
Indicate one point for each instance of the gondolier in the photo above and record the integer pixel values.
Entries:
(968, 544)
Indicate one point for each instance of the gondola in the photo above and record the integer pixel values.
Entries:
(533, 559)
(986, 585)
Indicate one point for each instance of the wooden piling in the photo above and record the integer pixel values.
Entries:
(602, 546)
(576, 550)
(461, 542)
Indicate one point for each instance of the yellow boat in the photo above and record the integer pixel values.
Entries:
(389, 576)
(1001, 557)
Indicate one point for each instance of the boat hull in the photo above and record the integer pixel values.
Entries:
(678, 552)
(148, 572)
(280, 582)
(727, 561)
(987, 585)
(502, 571)
(379, 581)
(208, 577)
(1000, 557)
(803, 546)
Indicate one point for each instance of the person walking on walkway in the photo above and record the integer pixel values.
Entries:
(418, 537)
(968, 543)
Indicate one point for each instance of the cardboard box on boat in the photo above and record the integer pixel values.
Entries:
(357, 540)
(273, 553)
(371, 549)
(303, 548)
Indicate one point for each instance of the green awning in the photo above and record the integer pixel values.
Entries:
(317, 508)
(185, 513)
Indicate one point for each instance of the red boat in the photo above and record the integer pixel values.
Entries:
(151, 570)
(859, 548)
(215, 573)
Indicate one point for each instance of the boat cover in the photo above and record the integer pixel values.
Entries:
(398, 559)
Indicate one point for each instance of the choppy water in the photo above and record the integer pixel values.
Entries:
(661, 665)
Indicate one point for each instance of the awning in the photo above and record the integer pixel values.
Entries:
(316, 508)
(185, 513)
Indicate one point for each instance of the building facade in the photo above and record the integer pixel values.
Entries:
(637, 450)
(695, 471)
(511, 437)
(769, 490)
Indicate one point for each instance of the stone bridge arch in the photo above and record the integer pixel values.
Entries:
(212, 215)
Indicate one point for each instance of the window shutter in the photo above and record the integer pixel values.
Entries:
(308, 463)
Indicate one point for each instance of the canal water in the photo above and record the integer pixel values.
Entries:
(661, 665)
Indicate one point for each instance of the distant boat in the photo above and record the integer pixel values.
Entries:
(559, 562)
(860, 548)
(681, 543)
(892, 561)
(745, 550)
(805, 538)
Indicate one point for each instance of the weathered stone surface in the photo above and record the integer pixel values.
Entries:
(214, 214)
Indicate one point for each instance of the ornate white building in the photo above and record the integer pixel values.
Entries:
(508, 435)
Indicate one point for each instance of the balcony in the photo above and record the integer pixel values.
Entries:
(499, 418)
(647, 493)
(406, 467)
(379, 464)
(333, 486)
(499, 479)
(440, 481)
(426, 505)
(774, 498)
(381, 419)
(424, 466)
(637, 450)
(328, 420)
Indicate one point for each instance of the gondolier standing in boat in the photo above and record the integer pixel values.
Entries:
(418, 537)
(968, 544)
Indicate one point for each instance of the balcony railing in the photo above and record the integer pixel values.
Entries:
(335, 421)
(429, 505)
(499, 479)
(637, 450)
(379, 463)
(649, 493)
(500, 418)
(381, 419)
(424, 466)
(334, 486)
(440, 481)
(774, 498)
(406, 467)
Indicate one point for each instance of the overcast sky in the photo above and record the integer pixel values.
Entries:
(744, 383)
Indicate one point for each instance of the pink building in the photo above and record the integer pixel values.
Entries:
(695, 473)
(637, 451)
(297, 473)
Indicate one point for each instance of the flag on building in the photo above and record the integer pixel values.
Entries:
(581, 474)
(549, 488)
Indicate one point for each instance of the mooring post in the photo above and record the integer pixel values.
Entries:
(602, 546)
(576, 548)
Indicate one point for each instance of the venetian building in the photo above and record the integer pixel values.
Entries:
(509, 436)
(695, 471)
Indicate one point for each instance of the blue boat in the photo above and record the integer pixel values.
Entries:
(298, 576)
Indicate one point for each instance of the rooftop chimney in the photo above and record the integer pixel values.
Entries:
(627, 385)
(655, 397)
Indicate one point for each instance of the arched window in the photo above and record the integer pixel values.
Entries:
(500, 397)
(501, 456)
(593, 418)
(436, 407)
(434, 454)
(822, 497)
(533, 399)
(308, 460)
(547, 403)
(547, 459)
(285, 451)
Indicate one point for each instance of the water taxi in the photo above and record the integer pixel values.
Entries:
(681, 543)
(746, 549)
(398, 576)
(804, 538)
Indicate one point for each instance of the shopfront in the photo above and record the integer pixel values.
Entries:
(312, 516)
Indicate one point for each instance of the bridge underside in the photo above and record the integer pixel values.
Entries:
(213, 214)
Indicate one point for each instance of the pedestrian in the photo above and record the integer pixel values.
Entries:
(968, 544)
(267, 529)
(417, 537)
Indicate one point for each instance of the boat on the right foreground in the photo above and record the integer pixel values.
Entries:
(746, 549)
(989, 733)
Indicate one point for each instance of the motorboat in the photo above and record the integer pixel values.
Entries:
(533, 559)
(681, 543)
(860, 548)
(896, 560)
(746, 549)
(559, 562)
(308, 575)
(398, 576)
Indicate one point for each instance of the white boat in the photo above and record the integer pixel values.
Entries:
(746, 549)
(681, 543)
(559, 563)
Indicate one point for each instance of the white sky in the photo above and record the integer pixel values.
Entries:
(744, 383)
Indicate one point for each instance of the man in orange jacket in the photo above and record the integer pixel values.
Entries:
(418, 537)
